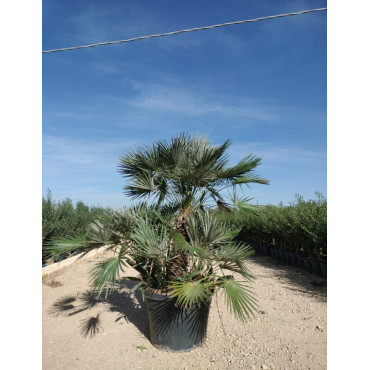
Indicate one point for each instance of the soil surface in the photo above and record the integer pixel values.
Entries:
(288, 332)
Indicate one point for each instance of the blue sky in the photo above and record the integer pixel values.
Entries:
(263, 85)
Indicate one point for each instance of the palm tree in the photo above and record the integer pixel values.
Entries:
(186, 171)
(143, 237)
(176, 245)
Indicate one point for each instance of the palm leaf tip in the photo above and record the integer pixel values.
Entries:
(240, 299)
(56, 247)
(104, 275)
(190, 293)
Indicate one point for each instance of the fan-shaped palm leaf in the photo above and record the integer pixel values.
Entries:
(105, 273)
(181, 245)
(233, 257)
(239, 297)
(57, 247)
(190, 293)
(184, 166)
(205, 230)
(150, 241)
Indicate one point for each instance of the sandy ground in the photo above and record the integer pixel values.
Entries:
(289, 332)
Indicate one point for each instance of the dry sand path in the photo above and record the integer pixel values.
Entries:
(288, 333)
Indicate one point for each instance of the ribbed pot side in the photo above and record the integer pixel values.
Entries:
(173, 328)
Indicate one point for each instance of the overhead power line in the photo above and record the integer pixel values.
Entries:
(182, 31)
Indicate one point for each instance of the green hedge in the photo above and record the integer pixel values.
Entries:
(62, 219)
(300, 227)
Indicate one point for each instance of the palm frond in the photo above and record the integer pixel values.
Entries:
(182, 167)
(250, 178)
(205, 230)
(99, 234)
(191, 293)
(234, 251)
(150, 242)
(142, 185)
(233, 257)
(181, 245)
(56, 247)
(105, 274)
(241, 173)
(243, 204)
(239, 297)
(123, 221)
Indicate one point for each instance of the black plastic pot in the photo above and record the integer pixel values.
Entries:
(279, 255)
(173, 328)
(307, 265)
(293, 259)
(300, 261)
(62, 257)
(287, 258)
(316, 269)
(266, 250)
(256, 248)
(283, 256)
(323, 269)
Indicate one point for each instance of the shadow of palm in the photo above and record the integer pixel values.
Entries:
(129, 306)
(63, 305)
(91, 325)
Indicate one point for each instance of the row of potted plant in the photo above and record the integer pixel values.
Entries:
(312, 265)
(294, 234)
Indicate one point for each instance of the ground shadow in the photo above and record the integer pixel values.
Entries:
(64, 305)
(91, 326)
(129, 306)
(298, 280)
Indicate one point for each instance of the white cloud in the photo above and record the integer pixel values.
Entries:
(194, 102)
(274, 154)
(83, 159)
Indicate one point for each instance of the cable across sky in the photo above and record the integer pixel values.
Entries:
(183, 31)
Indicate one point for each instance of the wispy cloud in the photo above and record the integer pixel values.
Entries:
(192, 101)
(173, 102)
(82, 159)
(98, 23)
(107, 67)
(85, 169)
(273, 154)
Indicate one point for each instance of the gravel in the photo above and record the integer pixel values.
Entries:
(288, 332)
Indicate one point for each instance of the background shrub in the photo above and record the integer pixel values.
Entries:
(300, 227)
(62, 219)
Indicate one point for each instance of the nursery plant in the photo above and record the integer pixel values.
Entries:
(175, 241)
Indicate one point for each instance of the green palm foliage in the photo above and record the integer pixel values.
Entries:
(150, 243)
(186, 171)
(175, 244)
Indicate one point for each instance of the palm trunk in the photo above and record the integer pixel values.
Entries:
(179, 265)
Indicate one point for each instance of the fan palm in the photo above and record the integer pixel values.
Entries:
(187, 171)
(144, 238)
(174, 244)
